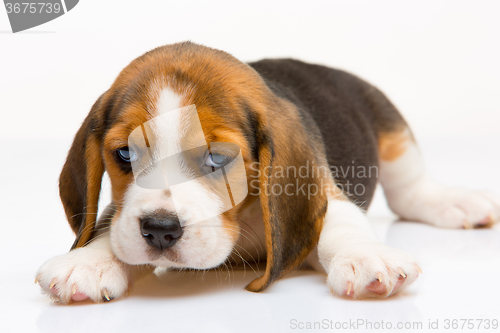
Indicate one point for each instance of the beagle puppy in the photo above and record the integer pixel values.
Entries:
(213, 160)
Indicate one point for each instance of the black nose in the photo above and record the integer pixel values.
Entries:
(161, 230)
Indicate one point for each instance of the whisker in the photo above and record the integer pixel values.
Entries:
(252, 243)
(93, 239)
(256, 235)
(246, 262)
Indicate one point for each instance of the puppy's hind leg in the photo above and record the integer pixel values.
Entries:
(413, 195)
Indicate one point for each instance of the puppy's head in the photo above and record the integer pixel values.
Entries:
(183, 133)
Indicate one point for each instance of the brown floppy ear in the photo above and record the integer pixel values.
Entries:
(292, 217)
(80, 180)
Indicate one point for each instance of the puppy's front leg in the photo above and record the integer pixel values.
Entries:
(90, 272)
(357, 263)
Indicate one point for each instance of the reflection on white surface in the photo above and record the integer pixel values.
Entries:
(460, 282)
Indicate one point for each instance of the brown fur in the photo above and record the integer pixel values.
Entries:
(392, 145)
(80, 179)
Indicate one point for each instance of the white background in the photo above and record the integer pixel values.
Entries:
(436, 60)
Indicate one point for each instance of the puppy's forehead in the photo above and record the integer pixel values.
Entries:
(163, 98)
(174, 126)
(164, 105)
(227, 95)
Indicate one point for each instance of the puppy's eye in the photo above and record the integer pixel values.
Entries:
(215, 160)
(127, 154)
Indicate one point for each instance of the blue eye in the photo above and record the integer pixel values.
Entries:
(216, 160)
(127, 154)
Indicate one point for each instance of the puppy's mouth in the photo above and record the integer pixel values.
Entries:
(170, 254)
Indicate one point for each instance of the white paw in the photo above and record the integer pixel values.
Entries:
(84, 273)
(446, 207)
(371, 270)
(466, 209)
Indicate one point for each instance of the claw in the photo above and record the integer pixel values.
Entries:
(379, 277)
(37, 280)
(52, 284)
(419, 270)
(73, 290)
(467, 225)
(349, 287)
(400, 271)
(106, 295)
